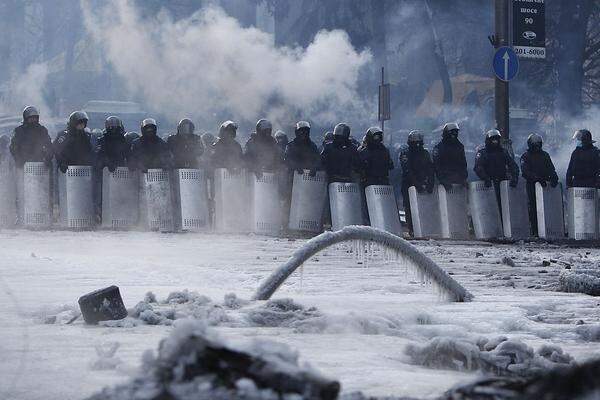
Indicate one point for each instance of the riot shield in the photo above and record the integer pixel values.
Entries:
(309, 194)
(76, 197)
(232, 201)
(159, 205)
(120, 198)
(550, 214)
(345, 203)
(484, 211)
(383, 210)
(266, 207)
(515, 217)
(36, 195)
(191, 199)
(425, 213)
(454, 222)
(583, 224)
(8, 194)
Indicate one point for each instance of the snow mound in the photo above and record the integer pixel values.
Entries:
(499, 355)
(55, 314)
(281, 313)
(194, 363)
(107, 360)
(580, 280)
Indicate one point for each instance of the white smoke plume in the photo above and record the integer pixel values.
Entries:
(26, 89)
(208, 67)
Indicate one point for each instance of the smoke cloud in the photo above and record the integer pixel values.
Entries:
(26, 89)
(210, 68)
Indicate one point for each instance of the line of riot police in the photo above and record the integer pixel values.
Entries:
(353, 176)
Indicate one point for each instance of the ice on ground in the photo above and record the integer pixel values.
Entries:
(580, 280)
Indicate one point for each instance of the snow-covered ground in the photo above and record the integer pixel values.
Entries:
(366, 313)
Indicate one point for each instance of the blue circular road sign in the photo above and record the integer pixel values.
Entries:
(506, 64)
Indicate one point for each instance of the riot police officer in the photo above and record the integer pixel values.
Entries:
(417, 170)
(73, 147)
(302, 153)
(494, 164)
(340, 158)
(261, 152)
(449, 158)
(113, 149)
(226, 151)
(31, 142)
(185, 146)
(375, 159)
(584, 166)
(150, 151)
(536, 166)
(282, 141)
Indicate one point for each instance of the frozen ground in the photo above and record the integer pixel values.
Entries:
(366, 315)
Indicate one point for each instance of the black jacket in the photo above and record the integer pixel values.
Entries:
(339, 159)
(376, 164)
(537, 166)
(495, 164)
(584, 167)
(226, 153)
(417, 168)
(73, 147)
(186, 150)
(150, 152)
(302, 154)
(262, 153)
(450, 162)
(113, 151)
(31, 143)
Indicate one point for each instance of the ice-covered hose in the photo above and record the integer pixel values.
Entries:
(420, 261)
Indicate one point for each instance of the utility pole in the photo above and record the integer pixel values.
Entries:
(501, 94)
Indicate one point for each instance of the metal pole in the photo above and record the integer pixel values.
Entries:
(501, 94)
(382, 83)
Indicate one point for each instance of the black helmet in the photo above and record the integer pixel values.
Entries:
(113, 122)
(228, 126)
(185, 126)
(131, 137)
(415, 136)
(342, 130)
(493, 133)
(264, 127)
(281, 137)
(30, 111)
(450, 128)
(77, 117)
(584, 136)
(534, 140)
(374, 134)
(149, 125)
(207, 139)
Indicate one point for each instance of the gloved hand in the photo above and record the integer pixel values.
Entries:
(569, 181)
(429, 189)
(258, 174)
(312, 173)
(300, 171)
(48, 163)
(420, 188)
(488, 183)
(513, 183)
(63, 167)
(554, 183)
(447, 186)
(543, 183)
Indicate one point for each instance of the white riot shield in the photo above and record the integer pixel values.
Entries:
(454, 221)
(425, 213)
(383, 210)
(8, 193)
(120, 198)
(266, 207)
(345, 203)
(76, 197)
(36, 195)
(308, 200)
(191, 199)
(515, 217)
(550, 214)
(484, 211)
(159, 207)
(232, 201)
(583, 209)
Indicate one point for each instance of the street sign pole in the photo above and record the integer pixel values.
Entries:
(382, 83)
(501, 93)
(384, 112)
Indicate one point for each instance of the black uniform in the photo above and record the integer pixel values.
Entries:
(584, 167)
(494, 164)
(301, 154)
(31, 143)
(187, 149)
(376, 164)
(417, 170)
(227, 153)
(536, 166)
(73, 147)
(339, 159)
(450, 162)
(150, 152)
(262, 154)
(113, 150)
